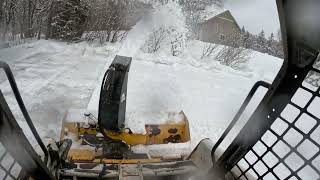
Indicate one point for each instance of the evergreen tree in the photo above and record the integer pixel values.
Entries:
(69, 18)
(243, 30)
(246, 40)
(271, 38)
(262, 35)
(262, 42)
(271, 44)
(279, 35)
(279, 48)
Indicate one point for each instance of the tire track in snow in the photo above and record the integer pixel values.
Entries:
(55, 65)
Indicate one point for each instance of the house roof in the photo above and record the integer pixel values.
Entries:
(212, 11)
(225, 15)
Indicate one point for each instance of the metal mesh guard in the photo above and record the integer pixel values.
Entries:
(9, 168)
(290, 148)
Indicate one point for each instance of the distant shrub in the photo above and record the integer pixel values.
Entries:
(233, 57)
(156, 40)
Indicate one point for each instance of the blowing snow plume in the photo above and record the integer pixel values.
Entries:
(168, 16)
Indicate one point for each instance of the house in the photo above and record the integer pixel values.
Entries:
(220, 29)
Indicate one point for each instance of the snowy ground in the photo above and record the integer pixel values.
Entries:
(54, 76)
(209, 93)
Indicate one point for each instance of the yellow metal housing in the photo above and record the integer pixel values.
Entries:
(155, 134)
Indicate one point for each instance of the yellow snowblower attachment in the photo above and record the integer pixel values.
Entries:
(156, 133)
(85, 137)
(106, 138)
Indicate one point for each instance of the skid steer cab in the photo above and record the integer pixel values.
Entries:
(271, 145)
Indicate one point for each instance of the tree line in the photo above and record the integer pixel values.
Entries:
(62, 19)
(101, 19)
(69, 19)
(20, 19)
(270, 45)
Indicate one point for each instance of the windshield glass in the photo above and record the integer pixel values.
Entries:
(199, 57)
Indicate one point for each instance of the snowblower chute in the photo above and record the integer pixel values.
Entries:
(108, 134)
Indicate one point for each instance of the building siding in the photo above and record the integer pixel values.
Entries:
(221, 29)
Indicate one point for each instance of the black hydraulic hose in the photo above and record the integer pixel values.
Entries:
(101, 92)
(239, 113)
(24, 111)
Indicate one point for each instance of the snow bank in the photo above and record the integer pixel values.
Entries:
(254, 68)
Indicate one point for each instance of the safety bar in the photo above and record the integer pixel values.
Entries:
(23, 109)
(239, 113)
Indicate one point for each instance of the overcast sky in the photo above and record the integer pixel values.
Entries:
(255, 15)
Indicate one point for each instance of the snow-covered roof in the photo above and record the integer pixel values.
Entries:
(224, 14)
(212, 11)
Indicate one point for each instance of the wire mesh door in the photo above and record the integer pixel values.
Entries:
(9, 167)
(18, 159)
(290, 147)
(281, 140)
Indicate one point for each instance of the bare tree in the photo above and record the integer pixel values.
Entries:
(208, 49)
(156, 39)
(107, 19)
(233, 57)
(22, 18)
(31, 8)
(8, 11)
(31, 18)
(177, 42)
(49, 17)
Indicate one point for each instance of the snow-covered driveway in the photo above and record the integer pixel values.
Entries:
(52, 77)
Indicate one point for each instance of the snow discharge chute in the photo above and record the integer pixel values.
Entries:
(108, 135)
